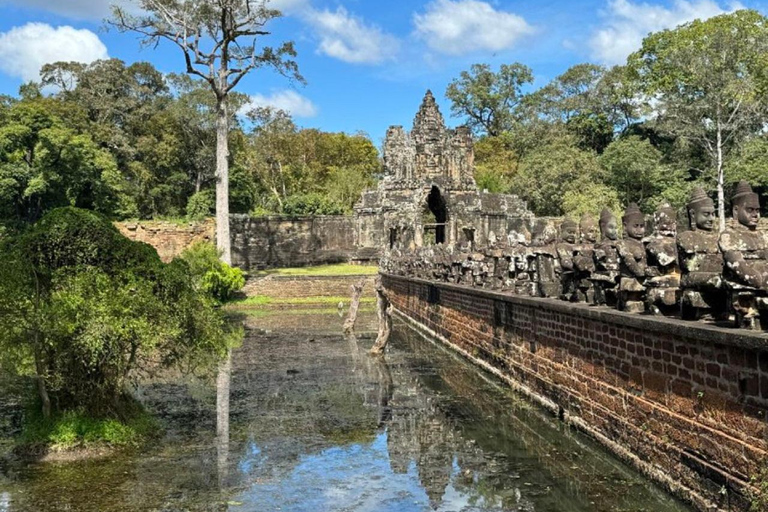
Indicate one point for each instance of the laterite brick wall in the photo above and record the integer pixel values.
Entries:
(684, 402)
(287, 287)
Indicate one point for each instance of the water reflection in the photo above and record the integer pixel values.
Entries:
(306, 421)
(222, 419)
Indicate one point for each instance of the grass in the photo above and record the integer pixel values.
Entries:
(75, 429)
(266, 312)
(339, 269)
(266, 300)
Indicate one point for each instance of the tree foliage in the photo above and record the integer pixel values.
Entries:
(709, 81)
(89, 308)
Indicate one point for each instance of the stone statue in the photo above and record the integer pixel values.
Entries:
(701, 263)
(566, 249)
(546, 272)
(745, 252)
(663, 281)
(583, 261)
(606, 259)
(633, 262)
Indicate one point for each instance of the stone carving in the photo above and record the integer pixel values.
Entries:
(606, 257)
(428, 194)
(663, 281)
(633, 262)
(566, 249)
(745, 251)
(701, 263)
(583, 261)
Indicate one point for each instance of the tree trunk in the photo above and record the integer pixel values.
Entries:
(357, 292)
(223, 242)
(720, 179)
(384, 312)
(41, 388)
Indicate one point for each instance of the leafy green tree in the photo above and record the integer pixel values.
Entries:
(634, 168)
(550, 172)
(45, 164)
(496, 163)
(708, 80)
(570, 94)
(486, 99)
(591, 199)
(89, 307)
(210, 275)
(750, 163)
(219, 42)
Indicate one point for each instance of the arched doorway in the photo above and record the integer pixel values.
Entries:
(434, 218)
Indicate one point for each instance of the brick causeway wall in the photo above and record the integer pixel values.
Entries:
(685, 403)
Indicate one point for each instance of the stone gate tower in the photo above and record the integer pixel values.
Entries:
(428, 193)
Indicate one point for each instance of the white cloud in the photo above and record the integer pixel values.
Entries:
(74, 9)
(24, 50)
(627, 23)
(458, 27)
(349, 38)
(288, 100)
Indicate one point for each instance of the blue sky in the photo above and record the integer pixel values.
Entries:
(367, 62)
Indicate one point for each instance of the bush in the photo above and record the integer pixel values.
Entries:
(201, 205)
(312, 204)
(210, 275)
(90, 307)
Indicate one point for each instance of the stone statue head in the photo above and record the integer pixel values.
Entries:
(569, 231)
(701, 210)
(589, 229)
(665, 220)
(609, 228)
(746, 206)
(634, 222)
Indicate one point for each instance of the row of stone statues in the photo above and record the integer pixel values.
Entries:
(696, 274)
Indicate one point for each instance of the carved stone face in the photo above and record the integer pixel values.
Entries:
(610, 230)
(570, 234)
(747, 211)
(635, 227)
(666, 225)
(589, 232)
(703, 217)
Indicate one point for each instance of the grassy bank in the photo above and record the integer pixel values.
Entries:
(267, 301)
(339, 269)
(76, 430)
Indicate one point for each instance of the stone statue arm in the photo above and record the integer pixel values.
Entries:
(584, 262)
(566, 258)
(636, 266)
(742, 268)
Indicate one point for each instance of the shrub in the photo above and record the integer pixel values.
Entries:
(312, 204)
(201, 205)
(90, 307)
(210, 275)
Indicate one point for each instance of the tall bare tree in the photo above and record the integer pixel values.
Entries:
(220, 43)
(708, 81)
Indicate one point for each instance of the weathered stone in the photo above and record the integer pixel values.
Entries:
(701, 262)
(663, 281)
(632, 259)
(745, 252)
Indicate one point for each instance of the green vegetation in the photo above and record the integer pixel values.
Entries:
(82, 309)
(146, 150)
(687, 109)
(339, 269)
(78, 429)
(265, 300)
(210, 275)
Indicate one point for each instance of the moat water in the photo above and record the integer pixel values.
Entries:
(301, 419)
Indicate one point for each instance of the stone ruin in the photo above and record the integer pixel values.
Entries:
(428, 194)
(698, 274)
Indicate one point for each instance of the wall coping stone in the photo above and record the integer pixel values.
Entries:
(708, 333)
